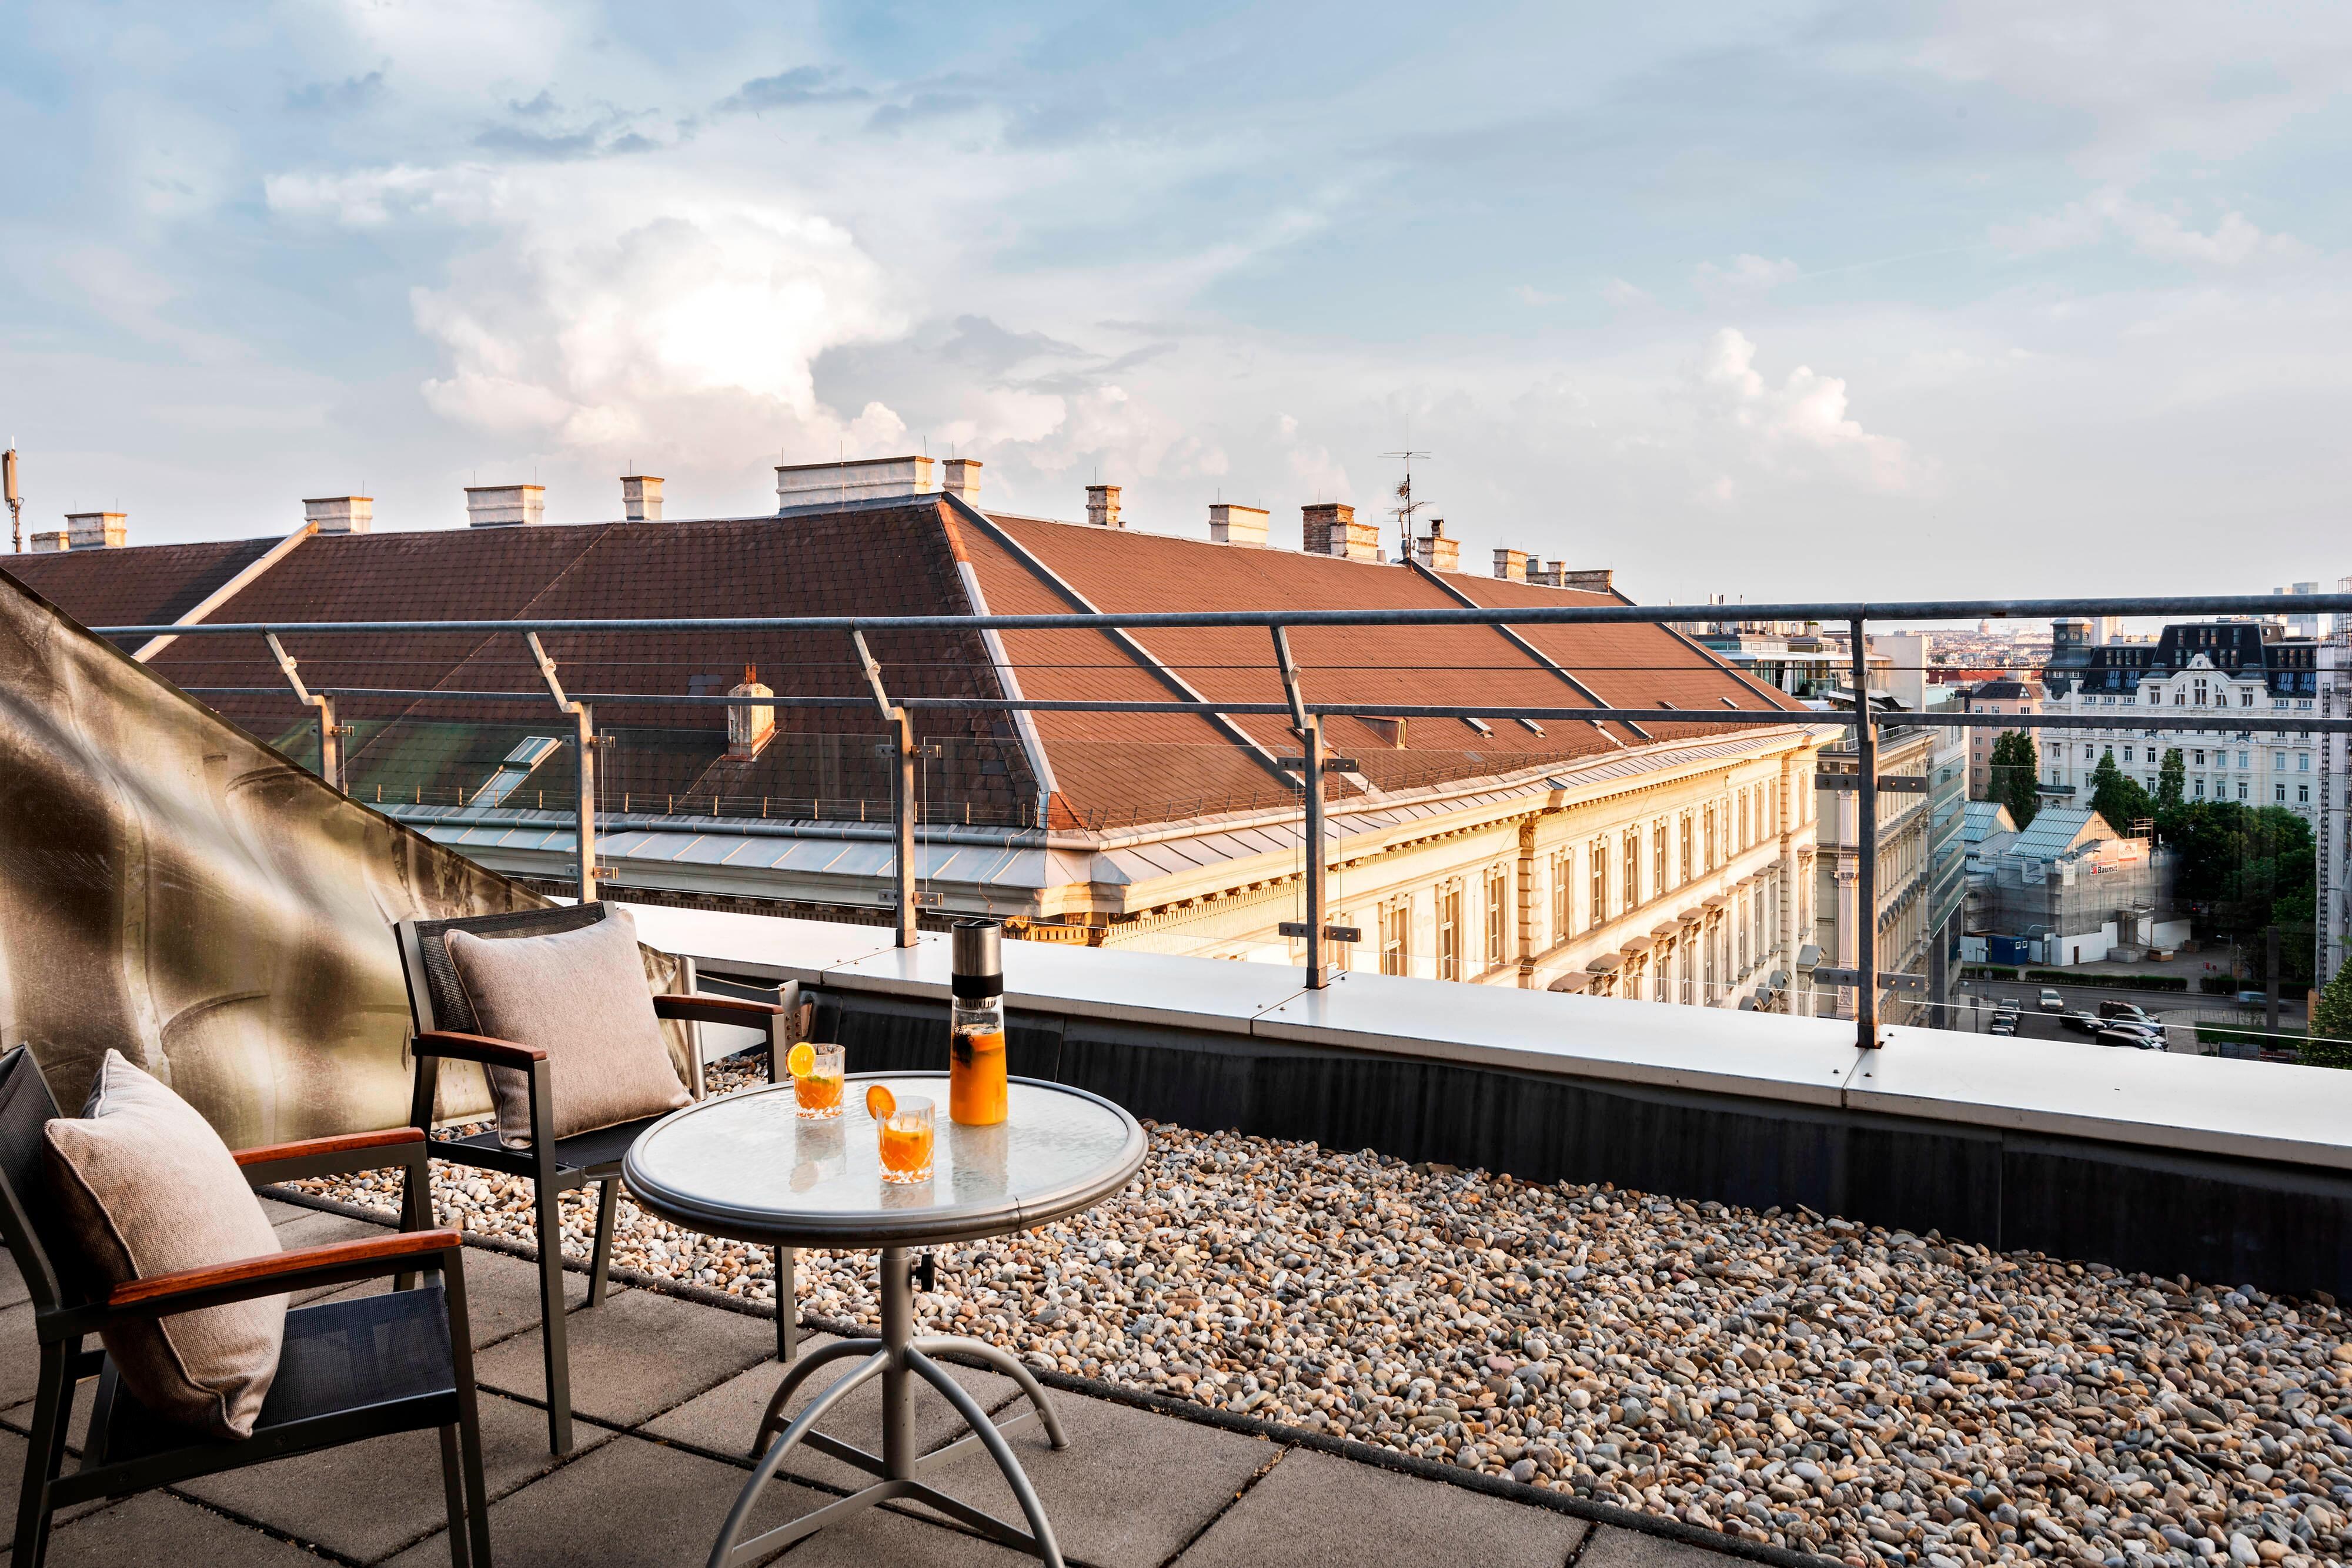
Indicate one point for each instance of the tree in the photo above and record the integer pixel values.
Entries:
(2016, 769)
(2117, 797)
(2330, 1044)
(2171, 780)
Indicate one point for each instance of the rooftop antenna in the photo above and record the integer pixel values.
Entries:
(1406, 505)
(16, 497)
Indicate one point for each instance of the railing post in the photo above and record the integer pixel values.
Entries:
(906, 734)
(331, 740)
(1865, 944)
(1310, 737)
(586, 831)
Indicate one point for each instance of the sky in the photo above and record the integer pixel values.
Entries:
(1780, 300)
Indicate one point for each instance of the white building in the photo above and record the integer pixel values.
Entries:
(2213, 670)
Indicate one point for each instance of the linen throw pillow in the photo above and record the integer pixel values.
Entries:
(579, 996)
(147, 1187)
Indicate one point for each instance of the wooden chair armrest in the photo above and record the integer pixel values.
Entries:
(346, 1143)
(479, 1048)
(701, 1008)
(276, 1273)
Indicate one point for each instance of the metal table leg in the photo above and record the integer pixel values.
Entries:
(898, 1358)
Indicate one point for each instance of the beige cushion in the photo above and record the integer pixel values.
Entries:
(579, 996)
(147, 1187)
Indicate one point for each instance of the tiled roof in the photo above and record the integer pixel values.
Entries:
(146, 586)
(1107, 769)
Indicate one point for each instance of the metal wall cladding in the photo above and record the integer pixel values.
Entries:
(173, 889)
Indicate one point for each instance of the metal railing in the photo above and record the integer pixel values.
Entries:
(1305, 717)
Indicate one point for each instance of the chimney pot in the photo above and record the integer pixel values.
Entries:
(95, 530)
(340, 514)
(1511, 565)
(1329, 527)
(641, 499)
(505, 505)
(1232, 525)
(1102, 506)
(1435, 551)
(963, 479)
(808, 487)
(749, 730)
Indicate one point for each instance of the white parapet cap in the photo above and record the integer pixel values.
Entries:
(1233, 524)
(505, 505)
(807, 485)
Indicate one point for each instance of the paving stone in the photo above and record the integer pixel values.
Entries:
(630, 1503)
(501, 1295)
(1614, 1548)
(722, 1420)
(316, 1229)
(882, 1536)
(158, 1528)
(1312, 1510)
(633, 1357)
(20, 1355)
(12, 1280)
(281, 1212)
(13, 1449)
(367, 1500)
(1132, 1486)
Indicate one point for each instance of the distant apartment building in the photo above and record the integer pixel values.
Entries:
(1999, 695)
(1921, 864)
(1659, 861)
(2211, 670)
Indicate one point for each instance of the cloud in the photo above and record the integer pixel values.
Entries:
(789, 89)
(338, 97)
(1747, 278)
(2154, 232)
(1528, 294)
(1624, 295)
(1805, 417)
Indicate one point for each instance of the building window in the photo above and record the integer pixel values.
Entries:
(1449, 930)
(2127, 753)
(2200, 789)
(1660, 979)
(2086, 754)
(1498, 916)
(1396, 936)
(1707, 827)
(2280, 789)
(2302, 794)
(1686, 836)
(2246, 699)
(2242, 759)
(2200, 758)
(2201, 694)
(1658, 883)
(1563, 887)
(1632, 873)
(2241, 789)
(1598, 857)
(2302, 762)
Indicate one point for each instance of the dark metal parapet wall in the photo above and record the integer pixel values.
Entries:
(895, 712)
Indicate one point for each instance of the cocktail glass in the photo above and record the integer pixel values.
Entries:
(906, 1141)
(817, 1092)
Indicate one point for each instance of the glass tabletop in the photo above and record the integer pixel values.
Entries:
(748, 1166)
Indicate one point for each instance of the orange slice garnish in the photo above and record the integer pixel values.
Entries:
(880, 1103)
(801, 1060)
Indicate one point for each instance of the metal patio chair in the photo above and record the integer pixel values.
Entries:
(446, 1027)
(350, 1369)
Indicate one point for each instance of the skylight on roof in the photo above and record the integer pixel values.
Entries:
(1480, 725)
(1533, 725)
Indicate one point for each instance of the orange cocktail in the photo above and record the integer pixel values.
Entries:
(817, 1073)
(976, 1076)
(904, 1129)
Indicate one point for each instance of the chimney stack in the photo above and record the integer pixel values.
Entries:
(749, 730)
(1232, 525)
(1435, 551)
(1102, 506)
(1331, 528)
(339, 514)
(640, 498)
(963, 479)
(1511, 565)
(95, 530)
(505, 505)
(47, 541)
(813, 487)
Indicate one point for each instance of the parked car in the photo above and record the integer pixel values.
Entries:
(2003, 1023)
(2131, 1038)
(2083, 1022)
(2131, 1012)
(2128, 1026)
(2051, 1002)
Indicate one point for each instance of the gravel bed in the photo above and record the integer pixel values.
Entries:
(1866, 1395)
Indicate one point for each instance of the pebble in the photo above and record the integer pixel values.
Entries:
(1865, 1395)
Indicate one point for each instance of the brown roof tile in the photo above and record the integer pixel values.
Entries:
(149, 585)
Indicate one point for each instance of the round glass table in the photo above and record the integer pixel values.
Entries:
(750, 1168)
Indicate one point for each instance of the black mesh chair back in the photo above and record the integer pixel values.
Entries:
(435, 998)
(27, 1211)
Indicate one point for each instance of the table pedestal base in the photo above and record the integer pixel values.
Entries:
(898, 1357)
